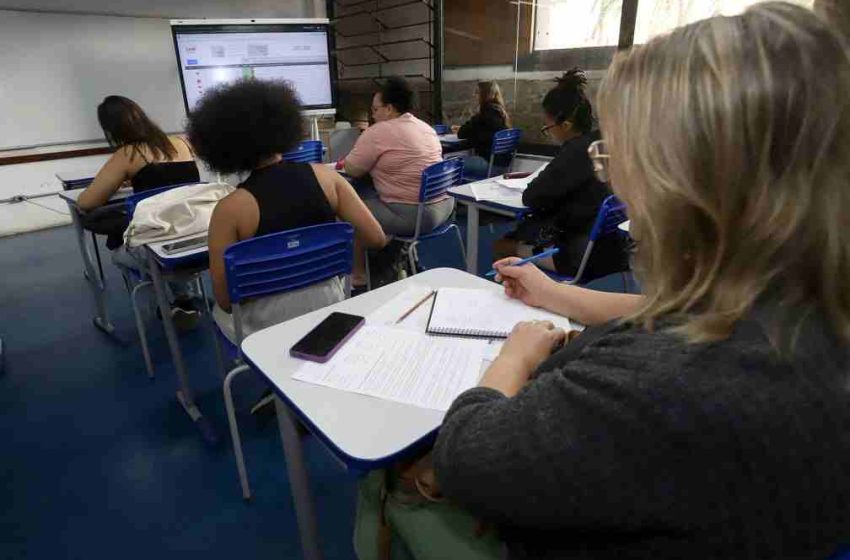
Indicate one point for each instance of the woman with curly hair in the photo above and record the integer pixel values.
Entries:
(245, 128)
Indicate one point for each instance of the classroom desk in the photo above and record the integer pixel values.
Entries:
(513, 208)
(95, 280)
(162, 267)
(454, 147)
(362, 432)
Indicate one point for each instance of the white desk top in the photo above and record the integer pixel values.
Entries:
(359, 428)
(73, 194)
(465, 192)
(450, 138)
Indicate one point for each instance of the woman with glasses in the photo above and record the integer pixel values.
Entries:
(394, 151)
(711, 420)
(565, 197)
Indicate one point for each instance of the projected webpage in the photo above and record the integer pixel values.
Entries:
(300, 58)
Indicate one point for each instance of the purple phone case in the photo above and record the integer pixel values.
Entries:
(329, 355)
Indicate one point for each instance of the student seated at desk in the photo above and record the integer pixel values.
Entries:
(394, 151)
(244, 128)
(711, 420)
(479, 130)
(565, 198)
(145, 157)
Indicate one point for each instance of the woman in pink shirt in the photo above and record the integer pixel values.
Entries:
(394, 151)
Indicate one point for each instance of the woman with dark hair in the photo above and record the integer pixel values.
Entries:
(565, 197)
(394, 151)
(245, 128)
(145, 157)
(492, 116)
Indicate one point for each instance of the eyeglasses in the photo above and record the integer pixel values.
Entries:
(599, 156)
(376, 107)
(544, 130)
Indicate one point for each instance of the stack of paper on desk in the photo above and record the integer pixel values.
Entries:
(495, 192)
(400, 365)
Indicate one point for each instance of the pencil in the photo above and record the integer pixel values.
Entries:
(415, 307)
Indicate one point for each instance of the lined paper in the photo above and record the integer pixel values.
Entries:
(401, 365)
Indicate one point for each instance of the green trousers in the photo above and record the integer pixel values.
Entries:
(421, 530)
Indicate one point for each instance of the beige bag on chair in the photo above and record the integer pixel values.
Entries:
(179, 212)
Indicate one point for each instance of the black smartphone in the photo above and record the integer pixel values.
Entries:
(323, 341)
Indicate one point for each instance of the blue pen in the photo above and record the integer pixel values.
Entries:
(531, 259)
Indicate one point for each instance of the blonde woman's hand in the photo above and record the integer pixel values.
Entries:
(526, 283)
(455, 128)
(529, 344)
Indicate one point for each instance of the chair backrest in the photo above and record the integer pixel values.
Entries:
(342, 141)
(439, 177)
(288, 260)
(134, 199)
(441, 128)
(611, 213)
(506, 141)
(309, 151)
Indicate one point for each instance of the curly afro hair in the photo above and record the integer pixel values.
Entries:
(235, 127)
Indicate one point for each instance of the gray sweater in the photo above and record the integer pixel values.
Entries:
(636, 445)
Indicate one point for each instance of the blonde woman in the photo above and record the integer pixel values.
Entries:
(714, 421)
(492, 116)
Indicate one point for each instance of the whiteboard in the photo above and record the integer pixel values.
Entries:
(57, 68)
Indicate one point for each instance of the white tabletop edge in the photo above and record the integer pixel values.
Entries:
(364, 428)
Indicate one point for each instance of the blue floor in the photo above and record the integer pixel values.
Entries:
(97, 461)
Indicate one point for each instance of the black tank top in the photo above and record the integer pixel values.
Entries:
(157, 174)
(289, 196)
(162, 174)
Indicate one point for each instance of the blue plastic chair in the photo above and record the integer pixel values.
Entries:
(135, 279)
(309, 151)
(611, 214)
(273, 264)
(436, 180)
(504, 142)
(441, 128)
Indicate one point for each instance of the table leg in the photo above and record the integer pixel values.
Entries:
(305, 510)
(184, 393)
(471, 238)
(101, 320)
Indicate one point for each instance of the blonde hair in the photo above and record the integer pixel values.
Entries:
(489, 93)
(730, 145)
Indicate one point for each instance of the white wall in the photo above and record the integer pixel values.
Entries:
(35, 178)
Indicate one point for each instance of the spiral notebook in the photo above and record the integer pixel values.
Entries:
(483, 313)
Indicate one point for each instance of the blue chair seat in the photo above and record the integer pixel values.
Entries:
(436, 180)
(611, 214)
(273, 264)
(504, 142)
(442, 229)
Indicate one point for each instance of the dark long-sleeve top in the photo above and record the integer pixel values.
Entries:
(479, 130)
(629, 444)
(567, 189)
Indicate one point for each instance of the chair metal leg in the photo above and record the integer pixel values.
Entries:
(234, 430)
(140, 326)
(219, 354)
(460, 241)
(411, 257)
